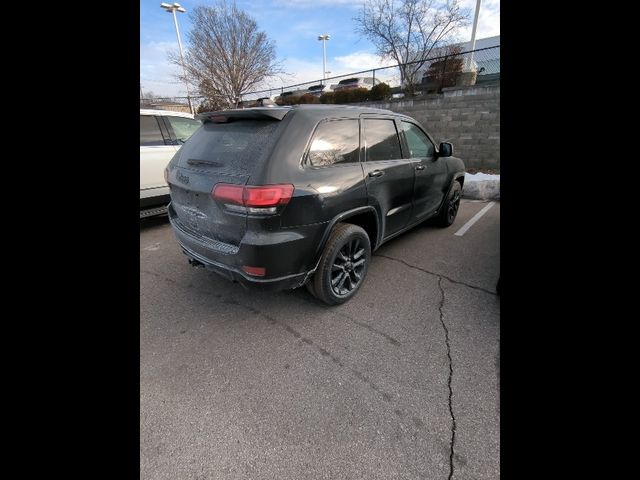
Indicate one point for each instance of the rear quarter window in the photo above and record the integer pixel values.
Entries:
(335, 142)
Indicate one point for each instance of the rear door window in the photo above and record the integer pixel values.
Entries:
(150, 134)
(335, 142)
(382, 139)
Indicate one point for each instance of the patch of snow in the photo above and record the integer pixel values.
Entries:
(476, 177)
(481, 186)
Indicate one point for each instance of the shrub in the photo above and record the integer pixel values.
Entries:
(287, 100)
(308, 98)
(341, 96)
(295, 99)
(382, 91)
(328, 97)
(351, 95)
(360, 95)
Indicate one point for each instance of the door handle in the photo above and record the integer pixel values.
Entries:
(376, 173)
(420, 167)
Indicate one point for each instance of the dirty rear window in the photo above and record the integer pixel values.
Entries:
(236, 147)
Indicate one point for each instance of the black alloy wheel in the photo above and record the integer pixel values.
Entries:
(451, 206)
(343, 265)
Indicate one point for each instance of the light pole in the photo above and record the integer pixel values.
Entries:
(473, 33)
(324, 39)
(171, 8)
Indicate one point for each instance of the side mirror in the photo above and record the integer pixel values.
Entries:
(445, 149)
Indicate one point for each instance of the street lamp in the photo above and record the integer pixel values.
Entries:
(473, 34)
(324, 39)
(171, 8)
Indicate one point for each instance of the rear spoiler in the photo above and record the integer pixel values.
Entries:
(224, 116)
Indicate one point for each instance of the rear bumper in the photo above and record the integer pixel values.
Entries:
(287, 255)
(271, 284)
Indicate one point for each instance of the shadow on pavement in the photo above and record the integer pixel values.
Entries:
(151, 222)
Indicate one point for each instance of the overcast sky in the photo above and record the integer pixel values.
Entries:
(294, 25)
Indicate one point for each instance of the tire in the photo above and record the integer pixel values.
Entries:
(309, 287)
(345, 260)
(450, 206)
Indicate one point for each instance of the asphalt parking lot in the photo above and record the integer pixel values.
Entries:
(402, 382)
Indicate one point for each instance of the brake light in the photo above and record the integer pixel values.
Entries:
(253, 196)
(218, 119)
(228, 193)
(267, 196)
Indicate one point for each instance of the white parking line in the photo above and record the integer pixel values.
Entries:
(473, 220)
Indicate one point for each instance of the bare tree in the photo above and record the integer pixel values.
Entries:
(409, 30)
(226, 55)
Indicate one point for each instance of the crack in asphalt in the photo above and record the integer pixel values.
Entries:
(391, 340)
(335, 359)
(453, 418)
(439, 275)
(446, 337)
(388, 398)
(314, 301)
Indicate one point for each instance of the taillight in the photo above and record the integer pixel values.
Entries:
(267, 196)
(253, 199)
(228, 193)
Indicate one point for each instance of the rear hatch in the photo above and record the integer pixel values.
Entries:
(229, 148)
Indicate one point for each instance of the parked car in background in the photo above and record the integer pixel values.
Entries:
(162, 132)
(283, 197)
(317, 90)
(260, 102)
(290, 95)
(356, 82)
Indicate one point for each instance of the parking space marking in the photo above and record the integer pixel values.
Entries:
(474, 219)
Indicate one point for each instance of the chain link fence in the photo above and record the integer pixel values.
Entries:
(442, 70)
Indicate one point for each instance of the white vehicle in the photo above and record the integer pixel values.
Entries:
(355, 82)
(318, 90)
(162, 132)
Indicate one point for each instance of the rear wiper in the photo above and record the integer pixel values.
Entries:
(194, 161)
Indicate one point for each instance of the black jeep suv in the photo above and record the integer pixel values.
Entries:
(281, 197)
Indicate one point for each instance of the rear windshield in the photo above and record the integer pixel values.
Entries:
(235, 147)
(348, 80)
